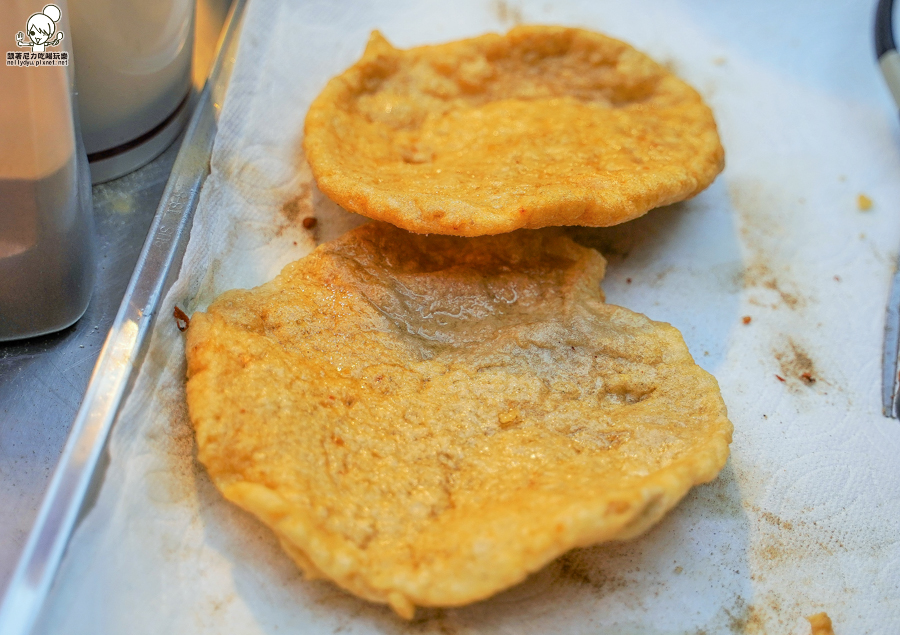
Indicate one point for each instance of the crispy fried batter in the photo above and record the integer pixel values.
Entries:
(820, 624)
(426, 420)
(543, 126)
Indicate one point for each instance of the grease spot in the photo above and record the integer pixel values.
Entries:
(743, 618)
(297, 208)
(783, 543)
(764, 616)
(761, 276)
(431, 621)
(762, 213)
(163, 487)
(796, 364)
(507, 12)
(775, 520)
(672, 65)
(574, 569)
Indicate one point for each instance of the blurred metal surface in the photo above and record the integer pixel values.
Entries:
(43, 380)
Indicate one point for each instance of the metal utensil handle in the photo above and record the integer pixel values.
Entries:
(886, 49)
(884, 28)
(889, 61)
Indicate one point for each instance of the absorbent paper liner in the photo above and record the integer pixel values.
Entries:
(805, 517)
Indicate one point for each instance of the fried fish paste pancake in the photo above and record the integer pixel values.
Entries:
(543, 126)
(426, 420)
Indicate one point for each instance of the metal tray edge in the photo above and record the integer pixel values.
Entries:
(78, 474)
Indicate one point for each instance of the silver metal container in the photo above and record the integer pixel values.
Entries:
(47, 252)
(134, 79)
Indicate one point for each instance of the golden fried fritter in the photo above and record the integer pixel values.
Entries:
(540, 127)
(426, 420)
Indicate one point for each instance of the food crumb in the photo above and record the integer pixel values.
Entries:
(808, 378)
(508, 418)
(309, 222)
(779, 378)
(820, 624)
(837, 278)
(627, 280)
(746, 319)
(182, 321)
(864, 203)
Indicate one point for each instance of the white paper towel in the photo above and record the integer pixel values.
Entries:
(805, 517)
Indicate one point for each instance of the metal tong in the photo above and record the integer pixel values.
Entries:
(889, 61)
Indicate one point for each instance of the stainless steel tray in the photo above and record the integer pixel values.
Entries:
(82, 466)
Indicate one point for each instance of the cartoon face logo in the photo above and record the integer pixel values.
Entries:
(40, 27)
